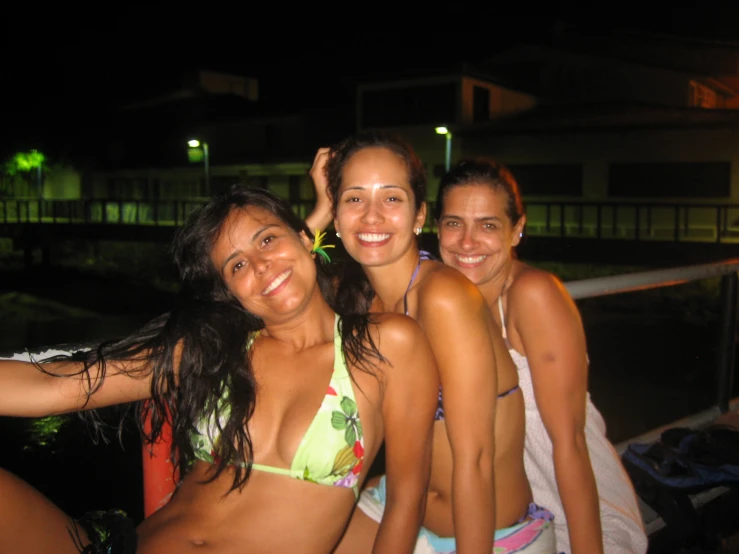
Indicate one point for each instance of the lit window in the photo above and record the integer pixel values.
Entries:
(702, 96)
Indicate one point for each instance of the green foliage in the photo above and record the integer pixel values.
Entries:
(43, 431)
(24, 162)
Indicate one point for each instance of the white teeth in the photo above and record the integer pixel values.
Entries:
(372, 237)
(470, 259)
(278, 281)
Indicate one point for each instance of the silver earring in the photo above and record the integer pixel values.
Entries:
(418, 231)
(338, 235)
(520, 235)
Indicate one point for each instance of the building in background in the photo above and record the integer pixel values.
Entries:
(629, 118)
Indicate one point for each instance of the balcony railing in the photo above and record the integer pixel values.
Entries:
(662, 221)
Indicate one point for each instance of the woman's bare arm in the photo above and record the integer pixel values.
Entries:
(27, 390)
(548, 322)
(320, 217)
(458, 324)
(409, 404)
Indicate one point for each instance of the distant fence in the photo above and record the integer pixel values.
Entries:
(649, 221)
(601, 220)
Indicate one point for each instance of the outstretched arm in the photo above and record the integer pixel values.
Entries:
(458, 324)
(30, 390)
(320, 217)
(547, 320)
(408, 407)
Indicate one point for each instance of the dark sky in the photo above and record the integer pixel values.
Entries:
(67, 67)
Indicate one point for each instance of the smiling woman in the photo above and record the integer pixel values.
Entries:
(374, 186)
(260, 265)
(572, 467)
(277, 396)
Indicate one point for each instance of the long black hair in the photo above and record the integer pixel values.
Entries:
(205, 336)
(354, 289)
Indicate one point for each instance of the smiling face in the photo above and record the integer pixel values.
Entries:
(265, 265)
(476, 235)
(375, 207)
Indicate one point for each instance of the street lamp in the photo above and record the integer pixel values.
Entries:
(38, 160)
(444, 131)
(194, 143)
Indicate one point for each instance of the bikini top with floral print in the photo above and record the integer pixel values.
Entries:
(332, 449)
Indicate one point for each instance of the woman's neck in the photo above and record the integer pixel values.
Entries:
(390, 282)
(497, 286)
(312, 325)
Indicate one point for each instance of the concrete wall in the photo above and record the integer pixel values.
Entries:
(595, 150)
(62, 183)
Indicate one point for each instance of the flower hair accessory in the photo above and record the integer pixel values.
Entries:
(319, 247)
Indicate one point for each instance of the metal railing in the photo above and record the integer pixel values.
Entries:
(728, 270)
(98, 211)
(573, 219)
(638, 221)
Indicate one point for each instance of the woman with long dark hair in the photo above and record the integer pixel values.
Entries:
(278, 398)
(374, 185)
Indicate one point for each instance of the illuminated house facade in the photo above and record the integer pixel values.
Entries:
(630, 118)
(640, 118)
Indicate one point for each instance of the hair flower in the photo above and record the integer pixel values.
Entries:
(319, 247)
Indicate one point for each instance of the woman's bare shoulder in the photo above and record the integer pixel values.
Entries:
(445, 286)
(536, 286)
(394, 330)
(527, 279)
(401, 342)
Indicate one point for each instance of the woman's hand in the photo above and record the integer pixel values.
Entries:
(320, 217)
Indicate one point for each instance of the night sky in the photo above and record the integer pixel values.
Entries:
(64, 72)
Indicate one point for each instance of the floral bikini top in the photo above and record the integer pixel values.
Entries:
(332, 450)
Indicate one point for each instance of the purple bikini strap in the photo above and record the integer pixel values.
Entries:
(423, 256)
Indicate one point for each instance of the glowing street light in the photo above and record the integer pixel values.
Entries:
(195, 143)
(448, 158)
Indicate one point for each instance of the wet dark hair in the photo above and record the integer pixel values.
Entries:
(354, 288)
(208, 330)
(482, 171)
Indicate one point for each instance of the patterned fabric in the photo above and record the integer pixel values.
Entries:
(623, 528)
(332, 449)
(533, 534)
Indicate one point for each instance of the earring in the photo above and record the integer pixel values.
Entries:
(520, 235)
(418, 231)
(338, 235)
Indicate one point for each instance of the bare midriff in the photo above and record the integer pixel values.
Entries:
(202, 518)
(512, 490)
